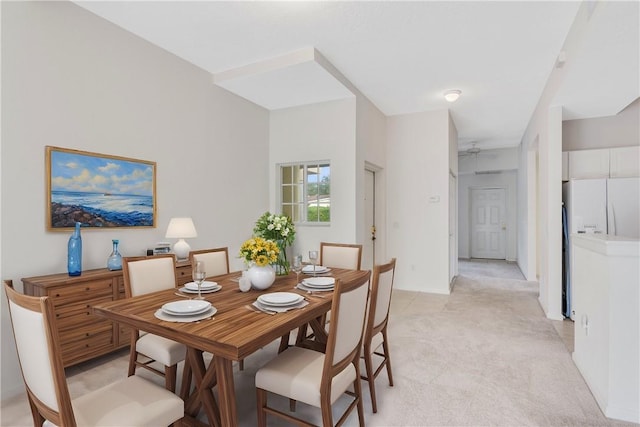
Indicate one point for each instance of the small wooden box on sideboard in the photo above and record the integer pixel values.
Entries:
(83, 335)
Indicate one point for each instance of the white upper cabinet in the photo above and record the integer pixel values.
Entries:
(585, 164)
(624, 162)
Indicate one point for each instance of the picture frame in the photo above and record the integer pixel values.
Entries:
(98, 190)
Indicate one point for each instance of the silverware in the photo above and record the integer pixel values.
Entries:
(311, 293)
(259, 310)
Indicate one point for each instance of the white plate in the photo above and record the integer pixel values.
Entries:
(277, 309)
(205, 285)
(204, 291)
(280, 299)
(319, 282)
(185, 319)
(301, 286)
(186, 307)
(319, 269)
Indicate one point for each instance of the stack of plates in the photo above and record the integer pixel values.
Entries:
(319, 283)
(186, 310)
(280, 301)
(205, 288)
(319, 269)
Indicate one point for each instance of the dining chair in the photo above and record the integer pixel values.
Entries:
(143, 275)
(216, 261)
(133, 401)
(317, 378)
(341, 255)
(375, 329)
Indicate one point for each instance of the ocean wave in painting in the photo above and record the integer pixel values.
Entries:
(100, 209)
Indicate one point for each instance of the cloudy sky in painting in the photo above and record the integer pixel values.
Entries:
(88, 174)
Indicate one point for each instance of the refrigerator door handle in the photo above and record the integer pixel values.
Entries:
(611, 219)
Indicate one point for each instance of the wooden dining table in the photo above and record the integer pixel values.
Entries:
(234, 333)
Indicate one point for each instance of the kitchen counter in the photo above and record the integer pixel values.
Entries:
(606, 288)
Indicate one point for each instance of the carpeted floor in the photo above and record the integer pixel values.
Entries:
(483, 356)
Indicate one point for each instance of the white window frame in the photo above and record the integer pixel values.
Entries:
(305, 165)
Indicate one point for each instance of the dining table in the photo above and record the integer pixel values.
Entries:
(234, 332)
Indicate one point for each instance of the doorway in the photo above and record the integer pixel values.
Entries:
(369, 245)
(488, 223)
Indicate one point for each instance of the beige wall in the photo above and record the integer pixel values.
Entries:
(621, 130)
(417, 199)
(71, 79)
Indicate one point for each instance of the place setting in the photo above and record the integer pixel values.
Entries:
(205, 288)
(278, 302)
(317, 284)
(185, 311)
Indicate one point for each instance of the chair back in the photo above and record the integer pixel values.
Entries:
(216, 261)
(340, 255)
(146, 274)
(36, 338)
(347, 322)
(380, 298)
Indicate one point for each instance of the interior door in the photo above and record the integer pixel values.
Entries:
(369, 248)
(488, 223)
(453, 227)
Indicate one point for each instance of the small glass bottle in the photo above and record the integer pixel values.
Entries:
(74, 252)
(115, 259)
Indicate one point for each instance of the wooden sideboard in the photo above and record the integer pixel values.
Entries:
(83, 335)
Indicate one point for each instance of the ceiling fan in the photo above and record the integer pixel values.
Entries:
(471, 151)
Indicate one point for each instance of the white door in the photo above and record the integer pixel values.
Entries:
(369, 248)
(488, 223)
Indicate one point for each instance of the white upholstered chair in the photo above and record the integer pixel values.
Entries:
(317, 378)
(132, 401)
(216, 261)
(143, 275)
(375, 329)
(340, 255)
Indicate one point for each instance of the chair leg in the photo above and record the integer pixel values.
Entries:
(170, 373)
(241, 365)
(38, 419)
(387, 355)
(358, 391)
(327, 414)
(371, 379)
(292, 405)
(185, 387)
(261, 402)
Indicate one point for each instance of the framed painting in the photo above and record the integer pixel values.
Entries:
(98, 190)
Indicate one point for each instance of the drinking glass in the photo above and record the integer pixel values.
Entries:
(198, 274)
(313, 257)
(297, 267)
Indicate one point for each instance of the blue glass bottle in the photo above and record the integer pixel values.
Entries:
(74, 252)
(115, 259)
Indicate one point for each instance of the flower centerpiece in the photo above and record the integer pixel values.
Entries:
(260, 253)
(281, 230)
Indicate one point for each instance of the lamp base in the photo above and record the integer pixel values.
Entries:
(181, 249)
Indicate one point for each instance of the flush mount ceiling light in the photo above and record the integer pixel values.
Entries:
(452, 95)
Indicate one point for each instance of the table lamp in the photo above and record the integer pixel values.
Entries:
(181, 228)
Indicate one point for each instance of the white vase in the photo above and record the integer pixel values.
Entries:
(261, 277)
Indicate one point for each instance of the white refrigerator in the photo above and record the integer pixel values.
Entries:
(608, 206)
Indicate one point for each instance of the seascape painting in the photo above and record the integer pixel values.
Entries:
(99, 191)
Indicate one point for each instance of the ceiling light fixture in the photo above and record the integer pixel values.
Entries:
(452, 95)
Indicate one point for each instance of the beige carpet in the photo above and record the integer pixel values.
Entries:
(483, 356)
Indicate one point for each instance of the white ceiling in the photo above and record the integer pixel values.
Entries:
(403, 55)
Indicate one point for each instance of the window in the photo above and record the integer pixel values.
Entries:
(306, 192)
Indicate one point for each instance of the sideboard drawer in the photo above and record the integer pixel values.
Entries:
(82, 291)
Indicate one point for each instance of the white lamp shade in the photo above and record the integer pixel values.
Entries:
(181, 228)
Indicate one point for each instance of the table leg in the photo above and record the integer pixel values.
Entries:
(205, 380)
(226, 392)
